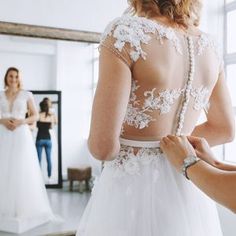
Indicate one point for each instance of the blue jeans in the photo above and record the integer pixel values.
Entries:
(47, 144)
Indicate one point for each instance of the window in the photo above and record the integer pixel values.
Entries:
(230, 66)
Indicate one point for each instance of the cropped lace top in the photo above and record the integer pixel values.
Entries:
(185, 67)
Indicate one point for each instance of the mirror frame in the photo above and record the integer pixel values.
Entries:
(26, 30)
(58, 93)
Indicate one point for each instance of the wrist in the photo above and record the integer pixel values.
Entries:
(191, 170)
(218, 164)
(188, 162)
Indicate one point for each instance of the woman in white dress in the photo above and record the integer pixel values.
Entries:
(157, 72)
(23, 199)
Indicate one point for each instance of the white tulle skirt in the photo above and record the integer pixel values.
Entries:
(140, 194)
(23, 199)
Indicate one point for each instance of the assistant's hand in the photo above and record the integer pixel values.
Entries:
(177, 149)
(203, 150)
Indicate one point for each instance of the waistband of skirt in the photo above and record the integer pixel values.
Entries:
(141, 144)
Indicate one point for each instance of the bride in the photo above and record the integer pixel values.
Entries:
(158, 71)
(23, 199)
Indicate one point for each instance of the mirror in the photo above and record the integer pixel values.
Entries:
(49, 145)
(48, 66)
(53, 65)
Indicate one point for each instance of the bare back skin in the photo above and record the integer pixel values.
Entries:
(143, 75)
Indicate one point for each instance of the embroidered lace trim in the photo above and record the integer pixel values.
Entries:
(127, 162)
(136, 31)
(137, 116)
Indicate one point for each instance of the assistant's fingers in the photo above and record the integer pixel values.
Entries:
(163, 145)
(173, 138)
(184, 138)
(165, 142)
(194, 140)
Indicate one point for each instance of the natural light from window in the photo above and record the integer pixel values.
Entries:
(230, 66)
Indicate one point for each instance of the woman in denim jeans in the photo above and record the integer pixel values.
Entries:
(43, 139)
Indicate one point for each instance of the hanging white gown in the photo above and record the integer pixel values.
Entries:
(23, 199)
(140, 193)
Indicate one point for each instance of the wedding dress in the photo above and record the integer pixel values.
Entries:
(140, 193)
(23, 199)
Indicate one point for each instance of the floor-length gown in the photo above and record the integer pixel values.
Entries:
(140, 193)
(23, 199)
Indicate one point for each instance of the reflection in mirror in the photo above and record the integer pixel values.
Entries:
(46, 133)
(47, 67)
(66, 66)
(24, 202)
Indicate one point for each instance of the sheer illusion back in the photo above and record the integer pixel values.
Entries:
(173, 75)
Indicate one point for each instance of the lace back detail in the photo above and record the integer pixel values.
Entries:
(140, 115)
(187, 92)
(136, 31)
(129, 163)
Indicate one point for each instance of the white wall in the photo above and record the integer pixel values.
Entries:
(75, 79)
(35, 59)
(89, 15)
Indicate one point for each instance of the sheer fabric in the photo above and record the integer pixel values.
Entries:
(159, 60)
(139, 193)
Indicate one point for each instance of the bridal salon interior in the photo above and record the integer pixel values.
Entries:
(53, 46)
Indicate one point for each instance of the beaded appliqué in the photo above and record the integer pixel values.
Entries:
(200, 96)
(163, 101)
(138, 116)
(205, 41)
(136, 30)
(187, 91)
(127, 162)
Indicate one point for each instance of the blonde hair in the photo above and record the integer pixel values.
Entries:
(184, 13)
(6, 75)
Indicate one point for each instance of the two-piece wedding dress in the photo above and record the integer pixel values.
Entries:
(23, 199)
(140, 193)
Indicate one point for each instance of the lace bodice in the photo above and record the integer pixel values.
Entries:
(138, 116)
(173, 74)
(19, 106)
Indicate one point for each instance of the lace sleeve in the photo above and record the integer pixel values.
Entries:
(125, 37)
(30, 96)
(108, 44)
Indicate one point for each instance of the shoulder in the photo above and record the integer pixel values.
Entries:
(128, 21)
(125, 26)
(1, 93)
(206, 41)
(27, 94)
(129, 31)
